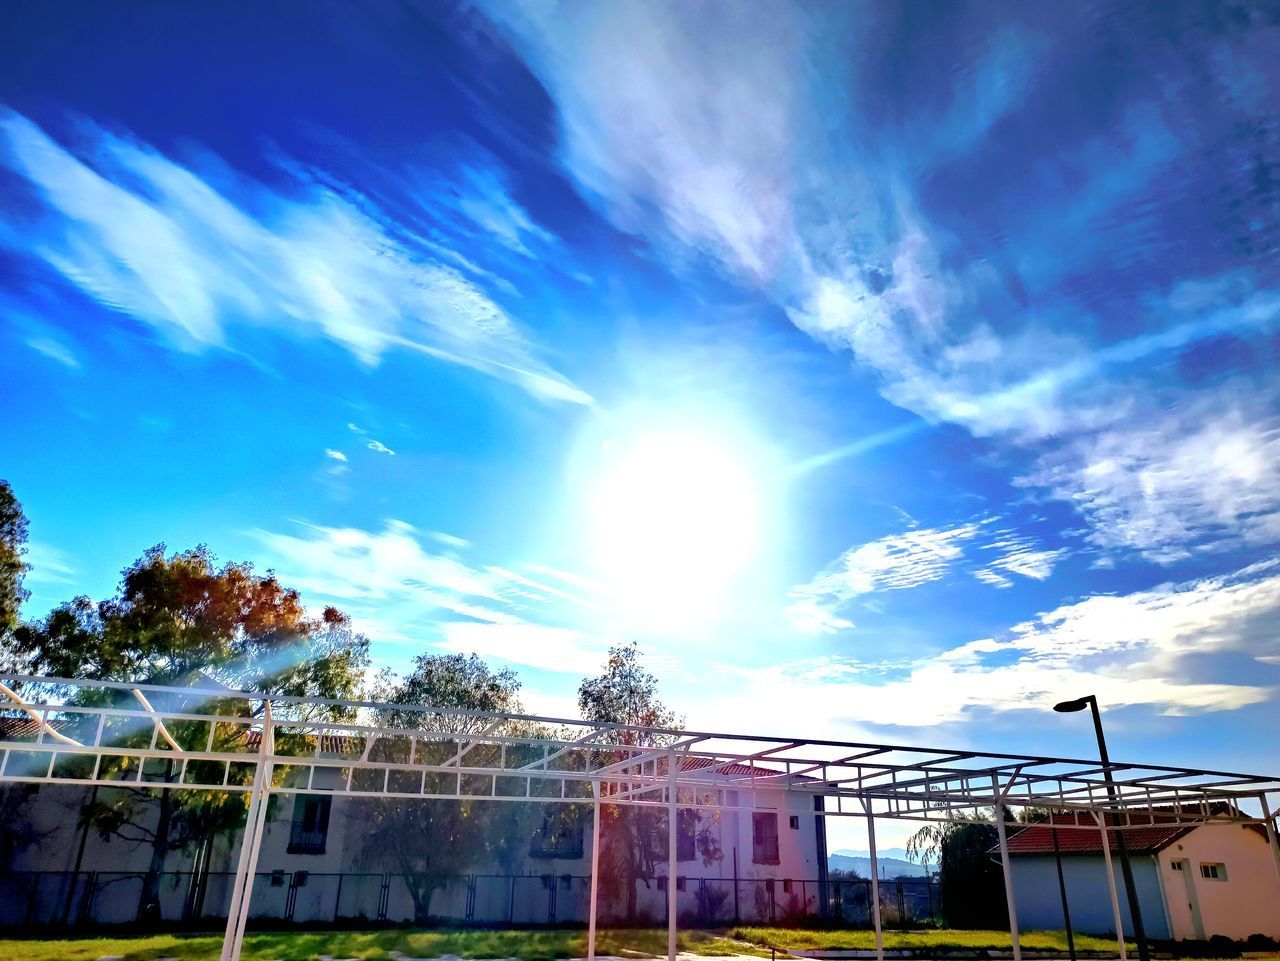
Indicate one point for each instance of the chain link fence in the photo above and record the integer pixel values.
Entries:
(36, 899)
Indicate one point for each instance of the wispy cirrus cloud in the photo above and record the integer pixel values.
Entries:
(196, 255)
(1050, 326)
(1132, 649)
(48, 565)
(1202, 479)
(913, 558)
(1018, 554)
(55, 350)
(407, 592)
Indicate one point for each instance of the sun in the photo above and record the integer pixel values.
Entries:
(675, 518)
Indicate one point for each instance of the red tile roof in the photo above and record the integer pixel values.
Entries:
(20, 728)
(1084, 840)
(1157, 834)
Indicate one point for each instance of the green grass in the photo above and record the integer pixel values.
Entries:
(809, 939)
(293, 946)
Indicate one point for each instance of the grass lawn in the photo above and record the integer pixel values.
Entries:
(806, 939)
(293, 946)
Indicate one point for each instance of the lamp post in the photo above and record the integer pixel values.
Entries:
(1062, 889)
(1135, 912)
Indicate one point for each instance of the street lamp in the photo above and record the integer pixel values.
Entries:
(1135, 912)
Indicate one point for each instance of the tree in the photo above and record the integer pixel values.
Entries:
(13, 545)
(634, 840)
(971, 884)
(431, 840)
(182, 620)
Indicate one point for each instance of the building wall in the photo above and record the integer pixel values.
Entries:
(54, 811)
(1039, 901)
(1246, 902)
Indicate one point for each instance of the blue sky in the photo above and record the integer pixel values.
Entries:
(885, 372)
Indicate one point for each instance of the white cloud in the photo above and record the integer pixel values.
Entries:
(335, 455)
(352, 564)
(533, 645)
(55, 350)
(484, 199)
(651, 100)
(911, 559)
(1018, 554)
(49, 565)
(378, 447)
(1129, 650)
(896, 562)
(1204, 478)
(400, 592)
(652, 103)
(151, 238)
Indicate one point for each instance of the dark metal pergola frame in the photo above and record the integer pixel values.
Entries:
(559, 760)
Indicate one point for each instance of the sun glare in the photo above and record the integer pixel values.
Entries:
(676, 516)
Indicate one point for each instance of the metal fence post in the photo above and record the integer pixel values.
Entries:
(875, 880)
(1008, 872)
(250, 843)
(1111, 883)
(595, 873)
(672, 909)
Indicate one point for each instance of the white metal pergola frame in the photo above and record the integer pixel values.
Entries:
(286, 741)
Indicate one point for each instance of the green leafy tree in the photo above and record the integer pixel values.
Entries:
(432, 840)
(182, 620)
(13, 545)
(633, 839)
(971, 883)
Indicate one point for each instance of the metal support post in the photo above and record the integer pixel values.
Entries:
(1111, 883)
(1062, 890)
(250, 844)
(1008, 872)
(595, 874)
(671, 856)
(1269, 820)
(875, 880)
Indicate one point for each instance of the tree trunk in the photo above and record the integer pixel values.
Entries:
(149, 901)
(634, 840)
(421, 891)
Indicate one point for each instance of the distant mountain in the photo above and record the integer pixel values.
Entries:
(892, 863)
(899, 853)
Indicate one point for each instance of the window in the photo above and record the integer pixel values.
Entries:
(679, 883)
(1213, 871)
(786, 886)
(1177, 865)
(558, 836)
(686, 831)
(795, 822)
(764, 838)
(310, 826)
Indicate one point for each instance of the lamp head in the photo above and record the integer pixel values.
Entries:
(1070, 707)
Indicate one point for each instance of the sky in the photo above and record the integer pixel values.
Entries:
(885, 372)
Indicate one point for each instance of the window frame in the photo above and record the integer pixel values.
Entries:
(687, 835)
(1213, 871)
(308, 832)
(567, 844)
(761, 840)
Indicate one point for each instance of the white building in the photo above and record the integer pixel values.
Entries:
(315, 864)
(1193, 882)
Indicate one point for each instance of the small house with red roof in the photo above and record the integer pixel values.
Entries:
(1194, 882)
